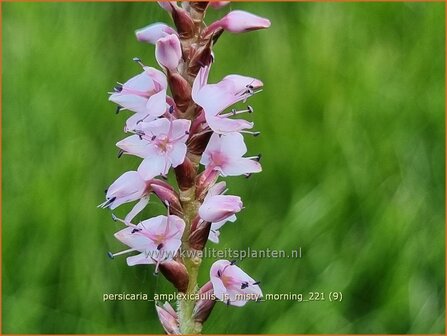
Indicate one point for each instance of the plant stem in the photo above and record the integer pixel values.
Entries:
(192, 263)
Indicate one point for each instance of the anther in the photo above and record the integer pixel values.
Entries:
(233, 262)
(136, 230)
(118, 109)
(110, 255)
(118, 88)
(256, 283)
(159, 246)
(250, 109)
(244, 285)
(219, 274)
(138, 60)
(120, 153)
(105, 191)
(114, 218)
(171, 109)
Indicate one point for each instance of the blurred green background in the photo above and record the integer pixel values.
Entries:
(352, 122)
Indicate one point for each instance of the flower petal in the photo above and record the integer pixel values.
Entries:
(134, 145)
(152, 33)
(151, 167)
(241, 166)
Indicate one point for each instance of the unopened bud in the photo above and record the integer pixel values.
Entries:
(201, 57)
(168, 51)
(205, 304)
(168, 318)
(205, 181)
(185, 174)
(183, 22)
(154, 32)
(170, 197)
(238, 22)
(180, 89)
(176, 273)
(199, 237)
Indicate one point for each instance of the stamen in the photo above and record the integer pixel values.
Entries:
(117, 219)
(120, 153)
(118, 88)
(255, 134)
(113, 255)
(171, 109)
(138, 60)
(235, 112)
(160, 246)
(233, 262)
(219, 274)
(118, 109)
(256, 157)
(256, 283)
(107, 203)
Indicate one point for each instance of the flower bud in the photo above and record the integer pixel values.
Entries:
(199, 237)
(181, 90)
(205, 181)
(168, 51)
(154, 32)
(185, 174)
(183, 22)
(205, 304)
(238, 22)
(168, 318)
(176, 273)
(201, 57)
(169, 196)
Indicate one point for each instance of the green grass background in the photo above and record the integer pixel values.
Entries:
(352, 122)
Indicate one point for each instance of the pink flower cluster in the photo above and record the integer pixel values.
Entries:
(179, 121)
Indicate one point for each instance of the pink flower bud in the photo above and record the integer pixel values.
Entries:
(154, 32)
(170, 196)
(168, 51)
(240, 21)
(168, 318)
(205, 304)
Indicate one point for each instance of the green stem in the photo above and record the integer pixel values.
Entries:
(192, 263)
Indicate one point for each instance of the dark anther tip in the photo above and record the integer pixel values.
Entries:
(110, 255)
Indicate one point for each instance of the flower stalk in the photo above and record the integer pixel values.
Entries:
(194, 132)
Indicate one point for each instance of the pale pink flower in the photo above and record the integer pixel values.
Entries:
(129, 187)
(157, 239)
(168, 51)
(168, 318)
(144, 94)
(238, 21)
(215, 227)
(154, 32)
(161, 143)
(215, 98)
(217, 207)
(224, 153)
(232, 285)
